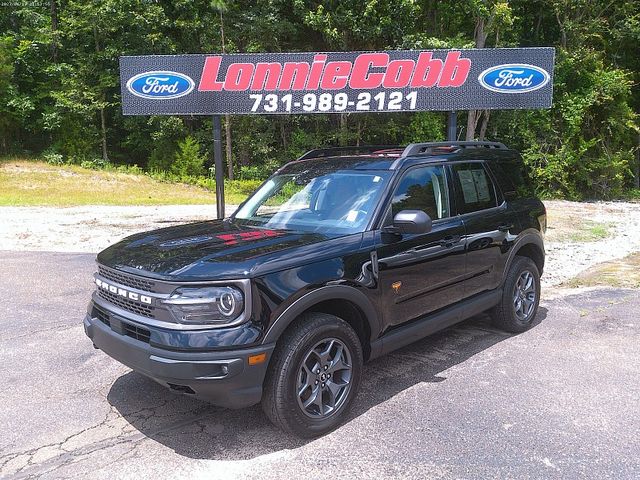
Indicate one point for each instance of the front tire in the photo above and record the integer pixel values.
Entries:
(314, 376)
(520, 297)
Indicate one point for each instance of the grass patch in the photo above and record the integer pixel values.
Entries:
(622, 273)
(590, 231)
(34, 183)
(570, 225)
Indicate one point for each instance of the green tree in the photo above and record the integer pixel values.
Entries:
(7, 94)
(188, 159)
(60, 91)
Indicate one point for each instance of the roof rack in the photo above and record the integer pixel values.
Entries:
(421, 148)
(392, 150)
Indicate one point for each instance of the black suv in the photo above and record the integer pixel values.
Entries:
(339, 257)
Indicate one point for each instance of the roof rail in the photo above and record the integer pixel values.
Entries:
(420, 148)
(395, 150)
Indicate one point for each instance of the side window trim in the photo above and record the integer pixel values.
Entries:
(386, 216)
(483, 211)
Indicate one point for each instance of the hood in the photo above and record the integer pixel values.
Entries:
(214, 249)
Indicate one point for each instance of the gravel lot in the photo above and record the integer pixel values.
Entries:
(559, 401)
(566, 258)
(90, 229)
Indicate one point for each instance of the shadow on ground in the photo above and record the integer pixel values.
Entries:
(198, 430)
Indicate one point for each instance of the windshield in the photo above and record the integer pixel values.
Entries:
(316, 198)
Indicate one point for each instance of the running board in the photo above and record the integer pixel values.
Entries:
(434, 322)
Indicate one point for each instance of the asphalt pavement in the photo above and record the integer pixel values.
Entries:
(559, 401)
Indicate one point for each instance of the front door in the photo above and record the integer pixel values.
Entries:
(421, 273)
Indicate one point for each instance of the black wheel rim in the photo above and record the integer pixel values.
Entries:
(324, 378)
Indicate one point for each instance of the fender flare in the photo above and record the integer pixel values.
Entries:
(528, 237)
(328, 292)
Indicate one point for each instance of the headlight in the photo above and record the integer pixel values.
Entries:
(205, 305)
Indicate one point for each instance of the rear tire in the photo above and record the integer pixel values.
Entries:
(314, 375)
(520, 297)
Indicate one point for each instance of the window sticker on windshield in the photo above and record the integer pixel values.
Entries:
(352, 215)
(376, 179)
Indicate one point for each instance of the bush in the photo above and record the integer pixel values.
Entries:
(244, 187)
(426, 127)
(188, 159)
(253, 172)
(130, 169)
(53, 158)
(582, 146)
(95, 164)
(167, 133)
(632, 195)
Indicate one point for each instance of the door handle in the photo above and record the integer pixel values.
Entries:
(505, 227)
(450, 240)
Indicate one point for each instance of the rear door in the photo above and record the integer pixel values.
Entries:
(420, 273)
(488, 223)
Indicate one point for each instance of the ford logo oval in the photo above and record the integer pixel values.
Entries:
(513, 78)
(160, 85)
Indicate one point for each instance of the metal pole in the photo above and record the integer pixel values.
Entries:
(452, 120)
(217, 161)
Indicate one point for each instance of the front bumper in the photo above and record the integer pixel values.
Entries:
(223, 378)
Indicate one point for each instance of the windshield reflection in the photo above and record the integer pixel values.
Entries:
(316, 197)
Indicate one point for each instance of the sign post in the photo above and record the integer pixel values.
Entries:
(335, 82)
(452, 126)
(217, 165)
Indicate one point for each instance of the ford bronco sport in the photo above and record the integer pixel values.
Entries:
(339, 257)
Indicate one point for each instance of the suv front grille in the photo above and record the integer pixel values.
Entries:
(127, 280)
(101, 315)
(139, 333)
(126, 304)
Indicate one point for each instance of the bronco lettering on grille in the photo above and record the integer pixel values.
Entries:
(123, 293)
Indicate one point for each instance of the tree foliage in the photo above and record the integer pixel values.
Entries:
(60, 93)
(189, 161)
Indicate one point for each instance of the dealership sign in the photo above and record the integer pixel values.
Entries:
(285, 83)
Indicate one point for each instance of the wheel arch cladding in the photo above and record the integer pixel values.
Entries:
(529, 244)
(534, 252)
(344, 302)
(350, 313)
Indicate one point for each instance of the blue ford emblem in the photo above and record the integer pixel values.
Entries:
(160, 85)
(513, 78)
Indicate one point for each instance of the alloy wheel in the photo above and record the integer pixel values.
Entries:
(324, 378)
(524, 296)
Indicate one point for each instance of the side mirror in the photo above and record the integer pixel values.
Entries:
(412, 222)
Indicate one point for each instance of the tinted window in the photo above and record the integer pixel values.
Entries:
(475, 190)
(423, 189)
(513, 178)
